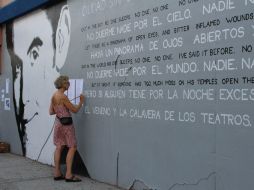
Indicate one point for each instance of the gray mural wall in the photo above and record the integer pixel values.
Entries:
(168, 86)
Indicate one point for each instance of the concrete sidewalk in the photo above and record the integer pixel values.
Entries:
(20, 173)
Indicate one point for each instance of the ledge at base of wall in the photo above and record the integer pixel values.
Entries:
(4, 147)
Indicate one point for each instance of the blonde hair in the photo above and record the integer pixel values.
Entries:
(59, 82)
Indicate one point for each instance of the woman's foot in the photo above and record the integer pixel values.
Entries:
(61, 177)
(73, 179)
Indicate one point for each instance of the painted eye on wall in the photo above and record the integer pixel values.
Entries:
(34, 49)
(35, 54)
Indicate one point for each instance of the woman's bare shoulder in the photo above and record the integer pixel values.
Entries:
(58, 98)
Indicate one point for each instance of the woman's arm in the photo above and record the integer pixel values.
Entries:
(73, 108)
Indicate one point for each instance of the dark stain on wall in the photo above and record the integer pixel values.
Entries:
(78, 166)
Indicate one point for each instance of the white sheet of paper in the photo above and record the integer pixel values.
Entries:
(71, 91)
(75, 89)
(79, 89)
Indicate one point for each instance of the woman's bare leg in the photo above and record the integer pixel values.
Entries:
(69, 160)
(57, 157)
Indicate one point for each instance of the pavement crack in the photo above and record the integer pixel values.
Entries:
(193, 184)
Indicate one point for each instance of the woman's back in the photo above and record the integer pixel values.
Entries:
(58, 105)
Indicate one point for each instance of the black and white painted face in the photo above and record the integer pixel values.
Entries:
(38, 44)
(33, 45)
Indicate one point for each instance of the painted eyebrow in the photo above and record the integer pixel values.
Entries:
(36, 42)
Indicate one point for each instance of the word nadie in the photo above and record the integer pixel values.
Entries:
(219, 6)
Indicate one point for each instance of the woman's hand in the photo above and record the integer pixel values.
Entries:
(82, 98)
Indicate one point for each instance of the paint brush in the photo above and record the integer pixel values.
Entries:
(75, 98)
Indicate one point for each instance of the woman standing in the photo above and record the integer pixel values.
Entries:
(64, 133)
